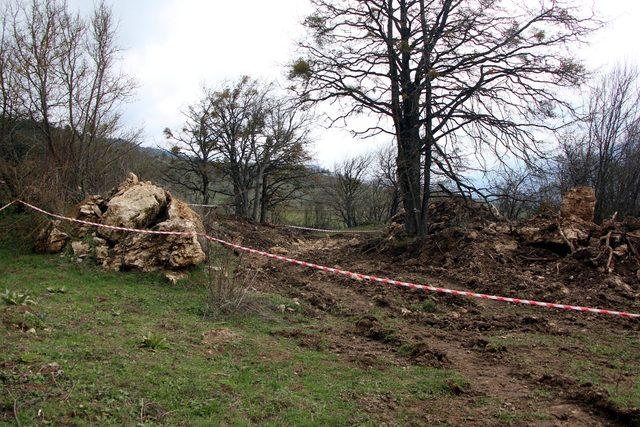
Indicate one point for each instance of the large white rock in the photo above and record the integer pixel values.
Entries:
(140, 205)
(134, 205)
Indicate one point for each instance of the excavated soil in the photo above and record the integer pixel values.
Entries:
(524, 360)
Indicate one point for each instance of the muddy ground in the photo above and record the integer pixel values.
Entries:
(544, 367)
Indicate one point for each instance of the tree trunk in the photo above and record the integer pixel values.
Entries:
(409, 180)
(257, 193)
(264, 202)
(426, 188)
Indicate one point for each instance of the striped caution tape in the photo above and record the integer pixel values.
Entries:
(325, 230)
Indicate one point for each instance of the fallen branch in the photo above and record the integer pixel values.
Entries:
(572, 248)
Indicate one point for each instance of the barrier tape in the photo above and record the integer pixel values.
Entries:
(7, 205)
(352, 275)
(322, 230)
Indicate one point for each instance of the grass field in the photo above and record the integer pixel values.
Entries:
(77, 357)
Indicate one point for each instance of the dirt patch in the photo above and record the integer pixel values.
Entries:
(219, 337)
(304, 339)
(593, 397)
(375, 326)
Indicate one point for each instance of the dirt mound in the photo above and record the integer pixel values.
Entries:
(553, 256)
(456, 211)
(133, 204)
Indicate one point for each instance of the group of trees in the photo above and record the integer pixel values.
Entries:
(244, 141)
(604, 150)
(364, 189)
(60, 89)
(478, 98)
(600, 148)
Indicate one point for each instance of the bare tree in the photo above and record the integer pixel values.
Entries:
(387, 176)
(347, 189)
(445, 78)
(193, 155)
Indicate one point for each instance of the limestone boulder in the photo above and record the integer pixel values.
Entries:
(180, 211)
(149, 252)
(580, 203)
(51, 239)
(135, 204)
(90, 209)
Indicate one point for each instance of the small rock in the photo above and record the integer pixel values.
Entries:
(506, 247)
(278, 250)
(174, 277)
(102, 254)
(80, 249)
(621, 250)
(405, 311)
(51, 239)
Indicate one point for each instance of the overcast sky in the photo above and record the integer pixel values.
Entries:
(173, 47)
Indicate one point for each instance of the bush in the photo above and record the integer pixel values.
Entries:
(227, 284)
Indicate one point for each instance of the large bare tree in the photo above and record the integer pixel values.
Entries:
(347, 189)
(445, 78)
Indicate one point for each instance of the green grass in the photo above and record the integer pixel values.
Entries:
(85, 362)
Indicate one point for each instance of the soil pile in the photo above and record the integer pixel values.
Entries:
(561, 256)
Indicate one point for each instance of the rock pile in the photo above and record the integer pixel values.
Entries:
(133, 204)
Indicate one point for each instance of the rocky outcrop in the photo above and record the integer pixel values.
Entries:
(140, 205)
(51, 239)
(580, 203)
(134, 205)
(571, 229)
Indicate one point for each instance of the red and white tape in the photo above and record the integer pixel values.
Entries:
(352, 275)
(325, 230)
(321, 230)
(7, 205)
